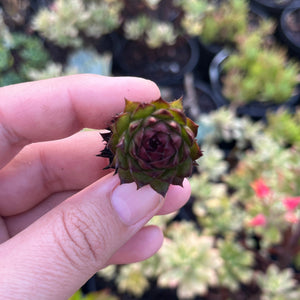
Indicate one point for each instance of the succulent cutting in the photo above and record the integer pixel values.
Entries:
(152, 143)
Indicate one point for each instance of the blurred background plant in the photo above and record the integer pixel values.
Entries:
(215, 22)
(238, 236)
(19, 54)
(93, 19)
(155, 33)
(258, 71)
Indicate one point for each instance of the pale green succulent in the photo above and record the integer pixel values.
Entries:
(160, 33)
(189, 261)
(132, 279)
(51, 70)
(214, 164)
(224, 125)
(154, 33)
(99, 295)
(93, 18)
(219, 215)
(135, 28)
(135, 278)
(153, 4)
(278, 284)
(284, 127)
(237, 266)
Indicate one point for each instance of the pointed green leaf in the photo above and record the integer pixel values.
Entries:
(177, 104)
(192, 125)
(177, 180)
(122, 159)
(168, 175)
(179, 116)
(125, 176)
(141, 178)
(163, 114)
(131, 106)
(195, 151)
(160, 186)
(133, 166)
(160, 103)
(185, 168)
(143, 111)
(187, 135)
(122, 123)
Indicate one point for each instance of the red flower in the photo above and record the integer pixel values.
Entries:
(260, 188)
(291, 217)
(291, 203)
(259, 220)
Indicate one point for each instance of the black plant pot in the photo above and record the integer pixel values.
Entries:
(255, 109)
(289, 27)
(271, 7)
(198, 99)
(165, 65)
(208, 52)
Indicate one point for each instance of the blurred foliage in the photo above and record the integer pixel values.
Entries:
(93, 19)
(284, 127)
(185, 248)
(19, 53)
(236, 237)
(258, 71)
(278, 284)
(215, 22)
(101, 295)
(237, 266)
(154, 32)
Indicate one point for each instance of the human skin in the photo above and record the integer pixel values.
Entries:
(62, 217)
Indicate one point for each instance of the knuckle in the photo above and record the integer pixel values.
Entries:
(81, 239)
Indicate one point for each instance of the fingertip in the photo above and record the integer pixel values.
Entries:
(139, 89)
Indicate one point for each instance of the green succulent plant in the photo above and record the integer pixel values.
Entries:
(20, 53)
(259, 72)
(284, 127)
(154, 33)
(132, 279)
(214, 22)
(189, 261)
(278, 284)
(99, 295)
(237, 266)
(223, 23)
(93, 18)
(152, 144)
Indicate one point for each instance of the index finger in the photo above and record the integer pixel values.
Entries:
(56, 108)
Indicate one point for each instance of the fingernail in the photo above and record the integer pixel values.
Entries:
(133, 205)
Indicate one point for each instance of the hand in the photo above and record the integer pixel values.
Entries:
(60, 223)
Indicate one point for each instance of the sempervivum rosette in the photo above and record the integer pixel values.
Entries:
(152, 143)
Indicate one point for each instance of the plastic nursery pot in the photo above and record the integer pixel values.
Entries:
(289, 27)
(272, 7)
(208, 52)
(255, 109)
(165, 65)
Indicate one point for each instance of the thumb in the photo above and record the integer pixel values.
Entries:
(58, 253)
